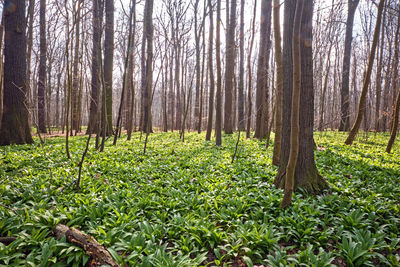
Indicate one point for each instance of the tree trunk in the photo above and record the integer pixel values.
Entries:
(218, 106)
(294, 122)
(29, 91)
(241, 70)
(210, 67)
(108, 62)
(75, 75)
(42, 70)
(229, 69)
(344, 92)
(149, 70)
(249, 73)
(367, 79)
(306, 174)
(379, 77)
(262, 68)
(96, 60)
(279, 84)
(15, 128)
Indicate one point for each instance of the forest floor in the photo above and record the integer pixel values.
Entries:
(186, 204)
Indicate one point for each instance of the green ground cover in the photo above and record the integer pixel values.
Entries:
(186, 204)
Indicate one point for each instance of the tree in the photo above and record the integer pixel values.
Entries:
(210, 67)
(306, 175)
(229, 69)
(15, 128)
(344, 92)
(147, 83)
(76, 78)
(218, 107)
(262, 69)
(108, 62)
(241, 69)
(42, 70)
(367, 78)
(279, 84)
(96, 60)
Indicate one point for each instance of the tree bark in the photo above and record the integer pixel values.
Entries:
(367, 79)
(93, 125)
(241, 71)
(218, 107)
(42, 70)
(210, 67)
(262, 69)
(306, 174)
(76, 79)
(15, 127)
(279, 85)
(229, 69)
(99, 254)
(344, 92)
(108, 62)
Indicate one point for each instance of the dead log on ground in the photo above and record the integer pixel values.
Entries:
(99, 254)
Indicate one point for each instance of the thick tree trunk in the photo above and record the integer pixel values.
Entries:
(15, 128)
(344, 92)
(364, 90)
(42, 70)
(306, 174)
(229, 70)
(279, 85)
(210, 67)
(262, 69)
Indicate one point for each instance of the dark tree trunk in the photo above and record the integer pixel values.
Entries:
(218, 106)
(306, 174)
(344, 92)
(15, 128)
(262, 69)
(229, 70)
(241, 71)
(75, 75)
(42, 70)
(210, 67)
(108, 62)
(149, 70)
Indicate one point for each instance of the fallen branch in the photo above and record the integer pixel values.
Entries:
(99, 254)
(6, 240)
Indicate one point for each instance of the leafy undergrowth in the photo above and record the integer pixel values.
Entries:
(185, 204)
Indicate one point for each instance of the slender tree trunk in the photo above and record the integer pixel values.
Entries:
(42, 70)
(249, 73)
(379, 77)
(279, 84)
(241, 70)
(29, 91)
(361, 105)
(15, 127)
(108, 62)
(344, 92)
(218, 107)
(229, 69)
(210, 67)
(95, 82)
(75, 75)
